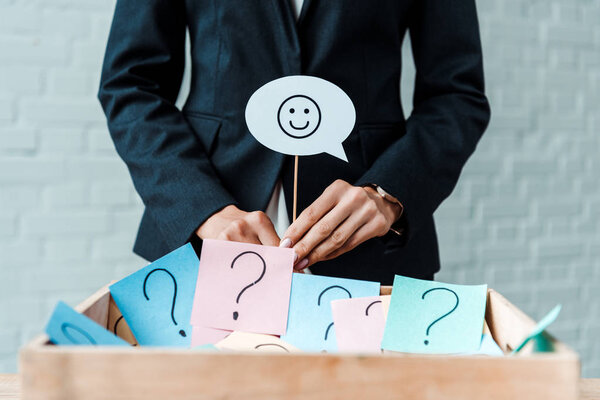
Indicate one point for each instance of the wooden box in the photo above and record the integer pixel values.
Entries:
(87, 372)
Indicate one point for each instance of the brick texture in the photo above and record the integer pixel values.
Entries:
(524, 217)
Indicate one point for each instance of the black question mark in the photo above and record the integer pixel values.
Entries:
(319, 303)
(443, 316)
(117, 323)
(181, 332)
(237, 300)
(369, 306)
(115, 328)
(66, 325)
(270, 344)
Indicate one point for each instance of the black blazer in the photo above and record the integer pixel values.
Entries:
(188, 164)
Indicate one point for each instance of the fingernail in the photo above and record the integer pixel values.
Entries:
(287, 242)
(295, 257)
(302, 264)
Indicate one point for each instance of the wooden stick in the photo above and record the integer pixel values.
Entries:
(295, 188)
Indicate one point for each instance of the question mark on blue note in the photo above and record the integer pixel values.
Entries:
(65, 331)
(426, 342)
(264, 265)
(181, 332)
(319, 303)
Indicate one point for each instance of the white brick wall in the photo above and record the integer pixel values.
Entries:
(524, 217)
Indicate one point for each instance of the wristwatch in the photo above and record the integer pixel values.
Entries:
(388, 197)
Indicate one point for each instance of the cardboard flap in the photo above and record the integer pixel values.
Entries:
(508, 325)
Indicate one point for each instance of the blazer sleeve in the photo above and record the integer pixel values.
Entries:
(450, 110)
(141, 77)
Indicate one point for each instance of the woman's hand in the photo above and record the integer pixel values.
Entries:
(231, 223)
(343, 217)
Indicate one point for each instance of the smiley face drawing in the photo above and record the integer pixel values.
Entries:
(299, 116)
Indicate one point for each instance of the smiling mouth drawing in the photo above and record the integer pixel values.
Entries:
(301, 128)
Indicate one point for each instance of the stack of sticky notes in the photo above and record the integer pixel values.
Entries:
(240, 296)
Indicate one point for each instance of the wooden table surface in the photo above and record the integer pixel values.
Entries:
(10, 388)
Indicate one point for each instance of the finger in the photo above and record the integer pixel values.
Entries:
(268, 236)
(313, 213)
(252, 239)
(354, 200)
(338, 238)
(264, 229)
(239, 231)
(322, 230)
(364, 233)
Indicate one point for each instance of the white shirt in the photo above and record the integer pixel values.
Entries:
(277, 211)
(297, 6)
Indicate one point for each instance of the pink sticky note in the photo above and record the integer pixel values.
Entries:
(385, 303)
(203, 335)
(359, 324)
(243, 287)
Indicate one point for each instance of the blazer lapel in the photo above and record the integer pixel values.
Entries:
(287, 21)
(289, 31)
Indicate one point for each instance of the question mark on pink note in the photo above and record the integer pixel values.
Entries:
(264, 269)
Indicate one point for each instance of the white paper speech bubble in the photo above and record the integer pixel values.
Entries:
(301, 115)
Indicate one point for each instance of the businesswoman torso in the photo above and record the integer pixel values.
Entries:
(189, 164)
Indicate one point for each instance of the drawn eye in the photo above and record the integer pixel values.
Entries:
(306, 111)
(292, 111)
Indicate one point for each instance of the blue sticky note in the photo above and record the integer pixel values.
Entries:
(70, 328)
(205, 347)
(488, 347)
(156, 301)
(434, 317)
(310, 321)
(542, 343)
